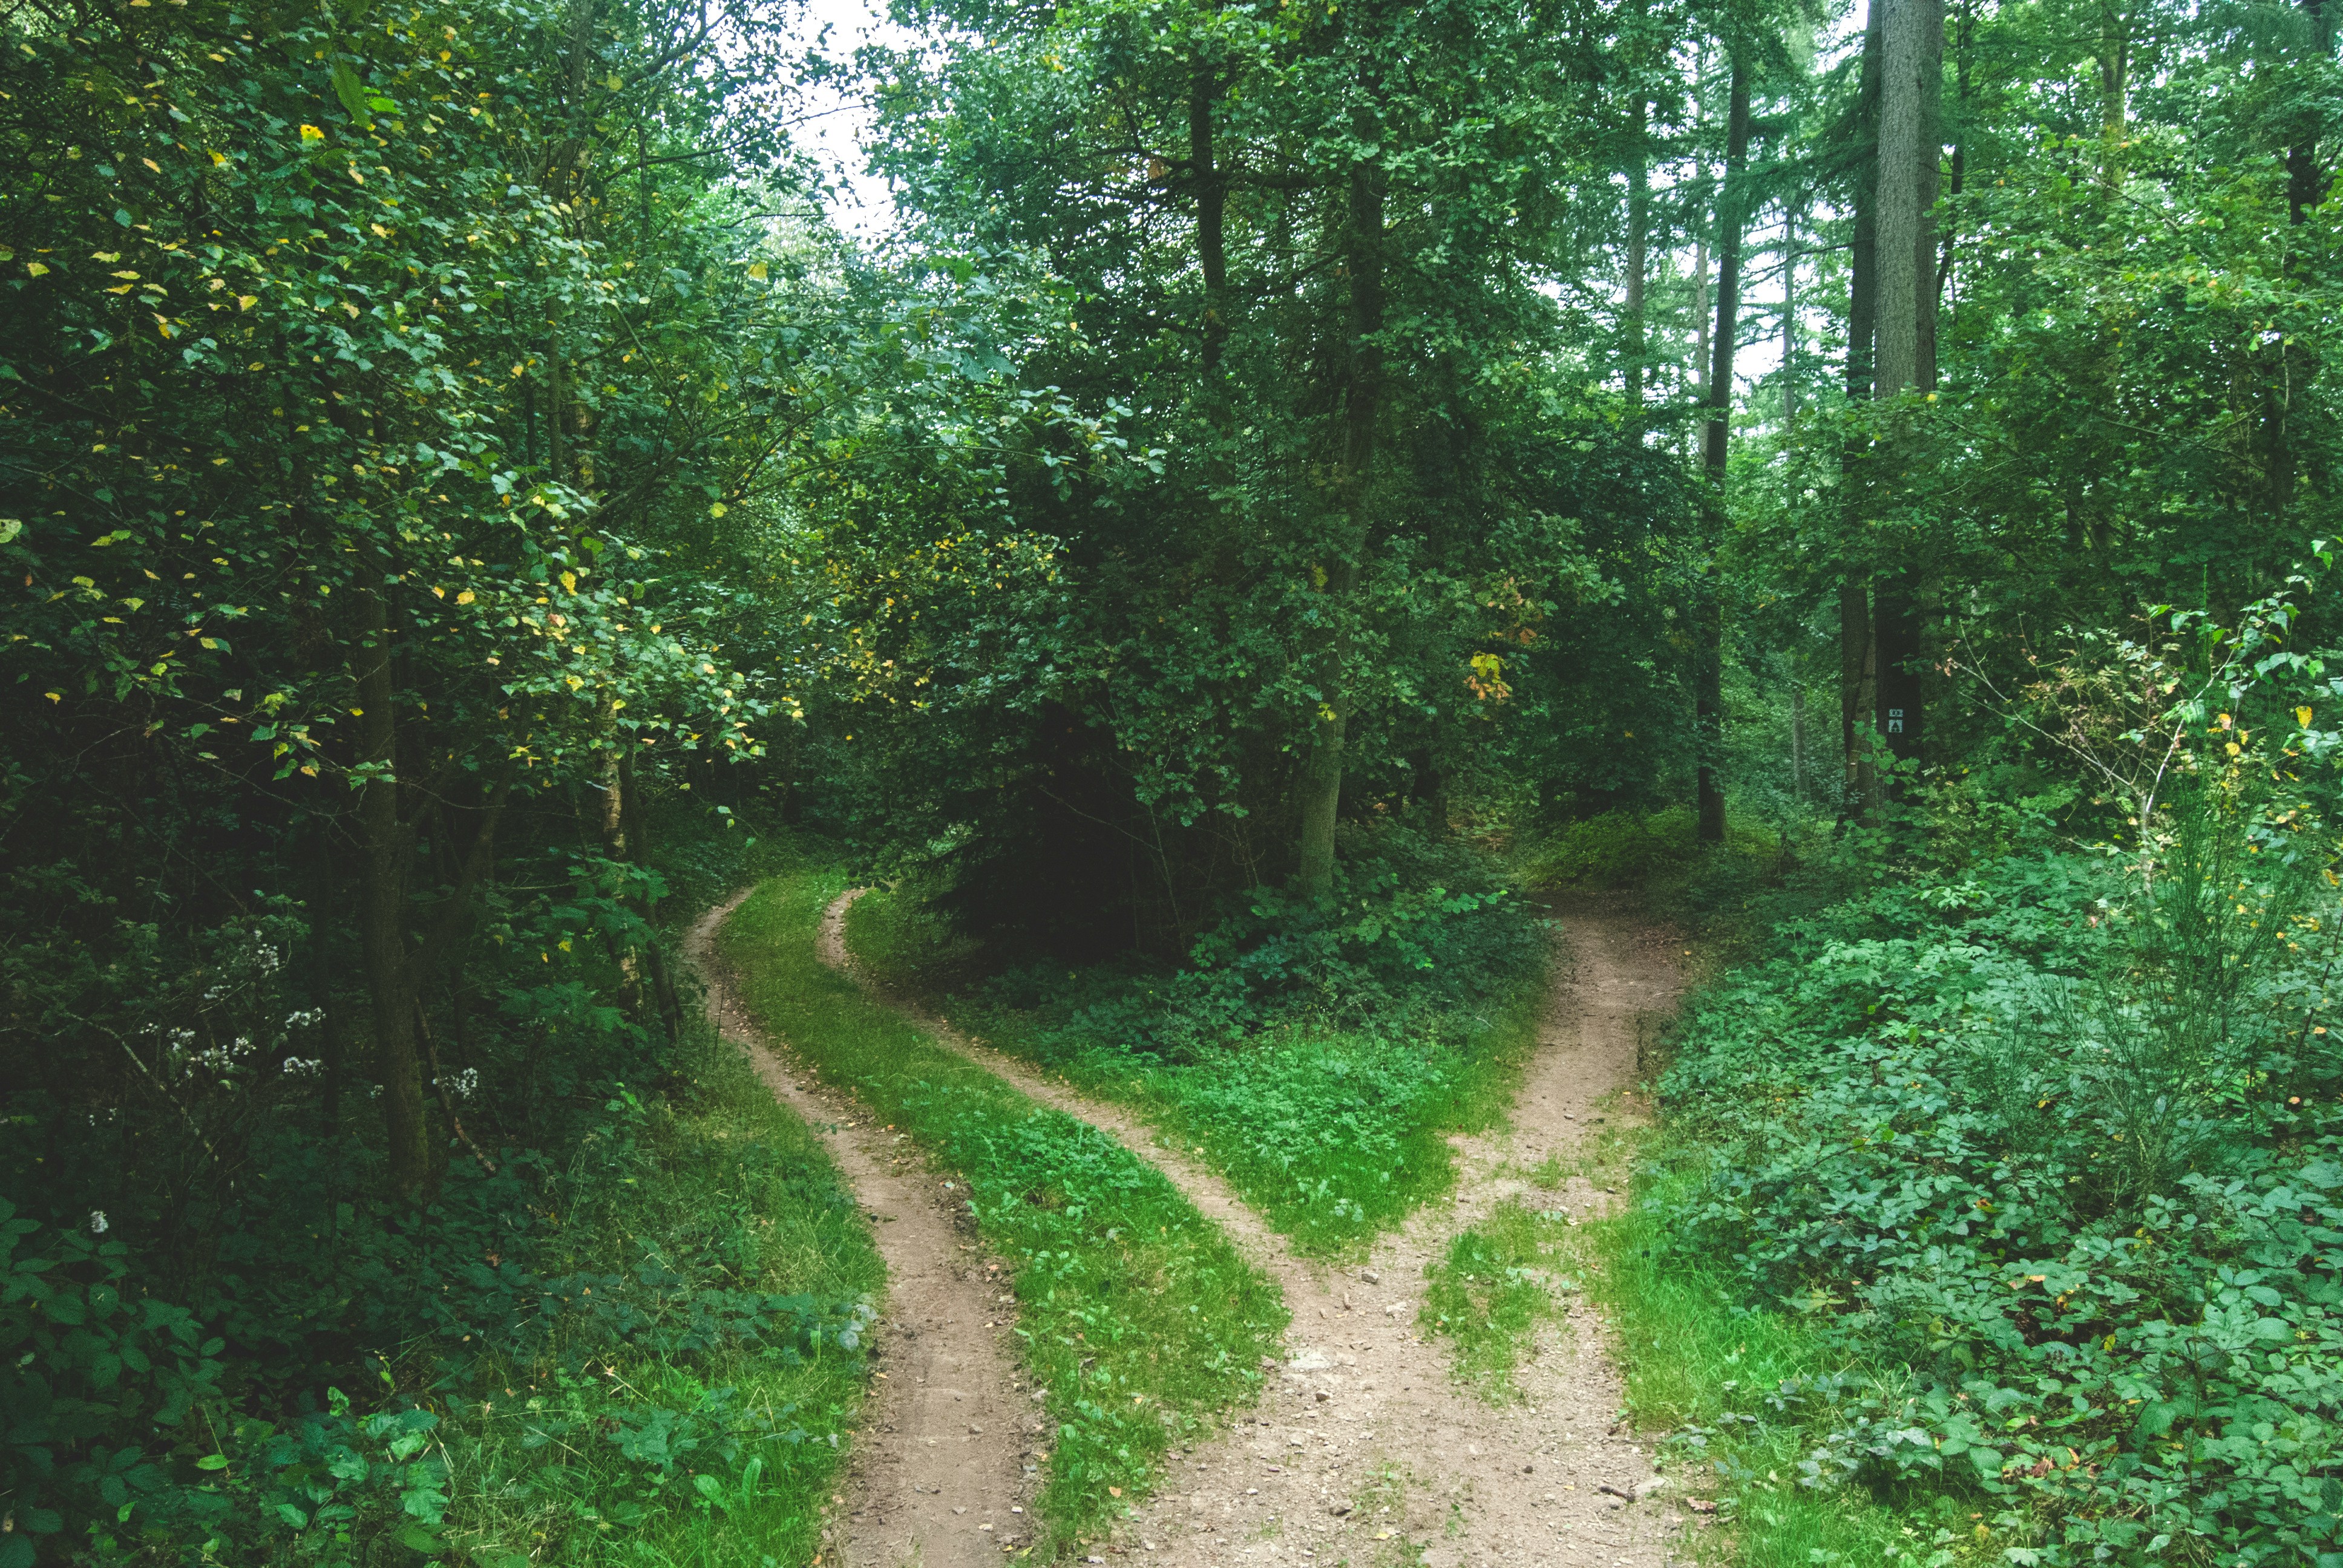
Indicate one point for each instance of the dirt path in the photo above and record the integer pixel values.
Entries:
(938, 1476)
(1364, 1450)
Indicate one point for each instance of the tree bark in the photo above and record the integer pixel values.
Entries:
(1910, 144)
(382, 902)
(1321, 770)
(1709, 693)
(1790, 254)
(1639, 228)
(1855, 693)
(1211, 207)
(639, 845)
(2114, 93)
(1906, 190)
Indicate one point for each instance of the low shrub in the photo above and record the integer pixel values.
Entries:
(2063, 1152)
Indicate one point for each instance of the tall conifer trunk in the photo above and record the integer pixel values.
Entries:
(1639, 228)
(1856, 686)
(1910, 141)
(1709, 692)
(1211, 207)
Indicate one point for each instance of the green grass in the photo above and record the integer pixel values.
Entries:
(1135, 1313)
(723, 1455)
(1501, 1280)
(1334, 1136)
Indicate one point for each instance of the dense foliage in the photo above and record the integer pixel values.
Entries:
(1289, 481)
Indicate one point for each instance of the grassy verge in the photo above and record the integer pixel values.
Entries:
(1739, 1398)
(691, 1423)
(1335, 1135)
(1135, 1313)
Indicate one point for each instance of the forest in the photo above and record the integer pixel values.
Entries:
(1388, 783)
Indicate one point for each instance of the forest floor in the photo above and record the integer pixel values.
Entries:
(1366, 1448)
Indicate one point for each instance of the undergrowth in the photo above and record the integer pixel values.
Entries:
(686, 1414)
(2003, 1193)
(637, 1340)
(1135, 1314)
(1707, 1376)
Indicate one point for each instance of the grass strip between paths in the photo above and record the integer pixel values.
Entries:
(1502, 1281)
(1135, 1313)
(1334, 1136)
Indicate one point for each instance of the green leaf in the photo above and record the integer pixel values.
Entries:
(352, 93)
(212, 1462)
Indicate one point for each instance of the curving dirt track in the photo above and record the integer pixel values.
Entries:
(938, 1476)
(1366, 1450)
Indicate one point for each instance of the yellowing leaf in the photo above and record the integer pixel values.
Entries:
(312, 134)
(247, 301)
(757, 270)
(2302, 716)
(218, 158)
(464, 597)
(37, 269)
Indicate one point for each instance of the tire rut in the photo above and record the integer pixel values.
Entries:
(1363, 1448)
(937, 1464)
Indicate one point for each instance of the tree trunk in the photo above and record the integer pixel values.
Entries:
(382, 903)
(2115, 94)
(1910, 144)
(1906, 190)
(1699, 347)
(2305, 180)
(1211, 205)
(639, 846)
(1790, 254)
(612, 822)
(1797, 741)
(1639, 228)
(2305, 185)
(1856, 694)
(1709, 695)
(1321, 770)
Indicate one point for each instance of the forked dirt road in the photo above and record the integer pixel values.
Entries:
(1364, 1450)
